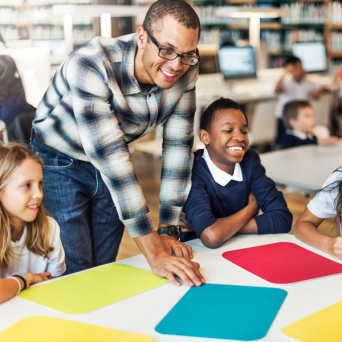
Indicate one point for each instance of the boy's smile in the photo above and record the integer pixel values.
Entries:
(227, 141)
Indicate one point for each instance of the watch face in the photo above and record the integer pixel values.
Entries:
(174, 231)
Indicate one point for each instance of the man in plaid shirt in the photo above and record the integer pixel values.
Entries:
(104, 96)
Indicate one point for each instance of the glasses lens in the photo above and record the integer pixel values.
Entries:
(168, 54)
(189, 60)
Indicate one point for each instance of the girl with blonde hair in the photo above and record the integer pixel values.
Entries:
(30, 247)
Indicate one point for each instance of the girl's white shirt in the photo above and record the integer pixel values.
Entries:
(323, 204)
(32, 263)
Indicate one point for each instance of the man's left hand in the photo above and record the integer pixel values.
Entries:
(173, 245)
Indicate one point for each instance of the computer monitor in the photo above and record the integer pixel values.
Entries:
(313, 56)
(237, 61)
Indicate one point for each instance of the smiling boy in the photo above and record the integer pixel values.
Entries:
(229, 184)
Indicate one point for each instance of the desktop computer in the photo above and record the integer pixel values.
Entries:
(236, 62)
(313, 56)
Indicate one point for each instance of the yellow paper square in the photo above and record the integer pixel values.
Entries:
(93, 289)
(42, 329)
(324, 325)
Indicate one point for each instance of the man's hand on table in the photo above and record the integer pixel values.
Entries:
(173, 245)
(163, 264)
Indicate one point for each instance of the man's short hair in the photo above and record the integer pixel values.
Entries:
(292, 60)
(291, 111)
(178, 9)
(208, 115)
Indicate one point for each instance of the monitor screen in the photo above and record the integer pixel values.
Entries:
(237, 61)
(312, 55)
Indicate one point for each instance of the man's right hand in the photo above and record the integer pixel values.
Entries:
(168, 266)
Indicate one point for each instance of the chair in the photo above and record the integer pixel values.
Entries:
(322, 109)
(262, 122)
(20, 128)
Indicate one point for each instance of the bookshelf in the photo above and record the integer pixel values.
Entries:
(31, 19)
(307, 20)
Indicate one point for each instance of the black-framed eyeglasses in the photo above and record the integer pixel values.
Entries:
(170, 55)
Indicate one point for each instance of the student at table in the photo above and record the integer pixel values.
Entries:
(106, 95)
(229, 185)
(31, 250)
(326, 203)
(12, 94)
(294, 85)
(299, 121)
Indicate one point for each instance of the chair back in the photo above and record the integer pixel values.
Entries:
(322, 109)
(20, 128)
(262, 122)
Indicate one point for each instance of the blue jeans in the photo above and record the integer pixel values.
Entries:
(78, 199)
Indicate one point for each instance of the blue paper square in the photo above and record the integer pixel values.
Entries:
(224, 311)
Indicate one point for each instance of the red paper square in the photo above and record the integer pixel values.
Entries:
(283, 262)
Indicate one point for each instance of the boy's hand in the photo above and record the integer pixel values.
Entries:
(252, 202)
(185, 226)
(36, 278)
(335, 247)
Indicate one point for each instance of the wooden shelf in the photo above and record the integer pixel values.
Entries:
(252, 2)
(274, 52)
(270, 26)
(335, 54)
(263, 26)
(334, 26)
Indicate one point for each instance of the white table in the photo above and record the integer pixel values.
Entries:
(140, 314)
(304, 168)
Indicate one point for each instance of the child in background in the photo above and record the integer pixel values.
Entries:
(229, 184)
(294, 85)
(30, 245)
(326, 203)
(12, 95)
(299, 121)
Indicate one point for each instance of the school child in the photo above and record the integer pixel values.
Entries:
(229, 184)
(299, 121)
(294, 85)
(326, 203)
(12, 94)
(30, 245)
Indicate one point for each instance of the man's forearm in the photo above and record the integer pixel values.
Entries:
(150, 245)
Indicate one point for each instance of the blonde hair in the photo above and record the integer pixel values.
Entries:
(37, 239)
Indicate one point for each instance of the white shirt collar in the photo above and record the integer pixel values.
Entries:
(300, 135)
(221, 177)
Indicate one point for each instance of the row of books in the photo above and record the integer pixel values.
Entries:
(36, 16)
(279, 41)
(335, 12)
(304, 12)
(43, 2)
(216, 36)
(336, 41)
(207, 15)
(40, 33)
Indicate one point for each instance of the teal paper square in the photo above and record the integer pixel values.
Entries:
(224, 311)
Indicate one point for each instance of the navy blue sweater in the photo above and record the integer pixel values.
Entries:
(289, 140)
(209, 201)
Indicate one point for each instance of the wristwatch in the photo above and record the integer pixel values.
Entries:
(173, 231)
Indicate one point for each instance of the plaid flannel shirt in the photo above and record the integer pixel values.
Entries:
(94, 108)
